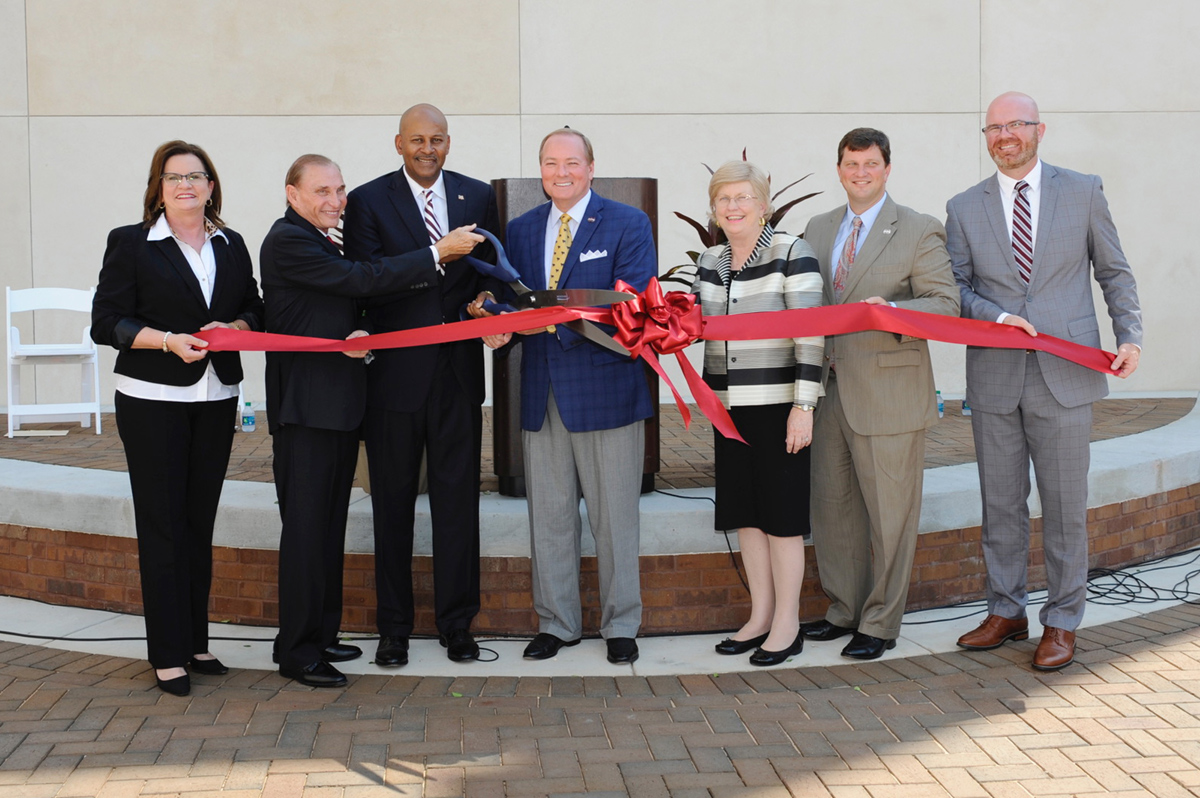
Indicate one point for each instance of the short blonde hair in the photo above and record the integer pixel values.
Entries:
(741, 172)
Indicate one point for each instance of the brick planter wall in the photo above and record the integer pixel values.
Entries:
(681, 592)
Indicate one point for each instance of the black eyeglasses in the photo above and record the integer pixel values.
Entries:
(1011, 127)
(172, 179)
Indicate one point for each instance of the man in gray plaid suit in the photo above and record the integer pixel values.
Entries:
(1022, 244)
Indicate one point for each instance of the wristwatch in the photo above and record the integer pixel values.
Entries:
(807, 408)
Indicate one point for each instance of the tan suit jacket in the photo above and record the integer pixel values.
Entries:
(869, 432)
(886, 383)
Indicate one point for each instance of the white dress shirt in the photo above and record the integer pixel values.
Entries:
(440, 211)
(204, 266)
(554, 222)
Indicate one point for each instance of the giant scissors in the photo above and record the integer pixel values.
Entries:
(527, 299)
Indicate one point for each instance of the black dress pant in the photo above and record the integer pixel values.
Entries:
(177, 453)
(448, 429)
(314, 471)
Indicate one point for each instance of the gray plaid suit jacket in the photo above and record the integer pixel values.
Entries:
(1075, 237)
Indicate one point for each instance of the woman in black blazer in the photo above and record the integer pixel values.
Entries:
(180, 270)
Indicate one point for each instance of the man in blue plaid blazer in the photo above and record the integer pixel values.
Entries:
(583, 408)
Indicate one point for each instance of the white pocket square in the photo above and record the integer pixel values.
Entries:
(595, 253)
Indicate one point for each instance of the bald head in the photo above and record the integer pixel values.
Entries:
(423, 142)
(1013, 102)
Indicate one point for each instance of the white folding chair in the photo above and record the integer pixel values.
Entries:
(83, 354)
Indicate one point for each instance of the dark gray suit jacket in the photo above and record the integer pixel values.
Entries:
(1075, 238)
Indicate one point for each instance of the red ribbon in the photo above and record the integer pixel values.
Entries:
(668, 323)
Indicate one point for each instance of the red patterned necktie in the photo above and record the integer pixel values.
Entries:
(847, 259)
(1022, 232)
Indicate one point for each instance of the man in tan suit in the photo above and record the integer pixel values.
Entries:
(869, 432)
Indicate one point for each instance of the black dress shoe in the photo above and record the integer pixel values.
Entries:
(339, 652)
(207, 667)
(731, 646)
(316, 674)
(180, 685)
(764, 657)
(824, 630)
(460, 645)
(392, 652)
(546, 645)
(621, 650)
(863, 646)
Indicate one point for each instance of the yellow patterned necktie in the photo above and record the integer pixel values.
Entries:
(562, 245)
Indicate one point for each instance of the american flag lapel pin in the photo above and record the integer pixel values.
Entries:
(461, 197)
(591, 218)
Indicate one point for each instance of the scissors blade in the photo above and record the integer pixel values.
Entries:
(596, 335)
(571, 297)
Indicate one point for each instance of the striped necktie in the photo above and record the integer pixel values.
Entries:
(1022, 233)
(431, 222)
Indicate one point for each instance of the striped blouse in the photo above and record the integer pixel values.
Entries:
(781, 273)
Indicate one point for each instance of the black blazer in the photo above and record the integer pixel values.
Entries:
(311, 290)
(383, 218)
(150, 284)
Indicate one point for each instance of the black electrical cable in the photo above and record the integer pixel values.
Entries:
(1105, 586)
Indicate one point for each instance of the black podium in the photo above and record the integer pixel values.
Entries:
(516, 195)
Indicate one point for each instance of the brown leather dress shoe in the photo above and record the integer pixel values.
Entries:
(1057, 649)
(994, 632)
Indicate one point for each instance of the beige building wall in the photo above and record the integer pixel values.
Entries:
(88, 89)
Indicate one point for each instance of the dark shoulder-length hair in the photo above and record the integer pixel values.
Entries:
(152, 204)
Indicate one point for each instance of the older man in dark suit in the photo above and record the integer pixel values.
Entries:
(315, 404)
(420, 395)
(1023, 244)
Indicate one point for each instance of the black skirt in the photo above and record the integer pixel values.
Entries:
(760, 485)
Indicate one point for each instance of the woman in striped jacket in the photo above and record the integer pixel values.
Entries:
(771, 389)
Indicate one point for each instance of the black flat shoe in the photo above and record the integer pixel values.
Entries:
(546, 645)
(762, 657)
(824, 630)
(863, 646)
(621, 650)
(460, 645)
(316, 674)
(731, 646)
(207, 667)
(392, 652)
(180, 685)
(340, 652)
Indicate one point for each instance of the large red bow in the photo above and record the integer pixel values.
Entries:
(654, 323)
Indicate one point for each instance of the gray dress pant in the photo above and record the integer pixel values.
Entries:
(1056, 439)
(605, 467)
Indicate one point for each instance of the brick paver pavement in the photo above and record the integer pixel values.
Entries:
(1125, 719)
(685, 454)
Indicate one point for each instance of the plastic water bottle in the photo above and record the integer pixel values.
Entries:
(941, 405)
(248, 417)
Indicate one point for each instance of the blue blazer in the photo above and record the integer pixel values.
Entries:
(594, 388)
